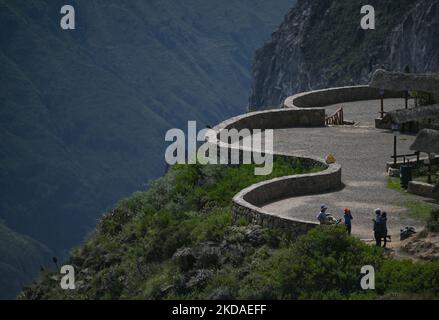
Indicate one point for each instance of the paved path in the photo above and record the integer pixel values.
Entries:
(362, 152)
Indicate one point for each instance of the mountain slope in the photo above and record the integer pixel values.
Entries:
(178, 241)
(321, 44)
(18, 257)
(83, 113)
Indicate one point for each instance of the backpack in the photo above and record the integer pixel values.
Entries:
(321, 217)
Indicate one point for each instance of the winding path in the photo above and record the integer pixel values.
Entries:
(362, 151)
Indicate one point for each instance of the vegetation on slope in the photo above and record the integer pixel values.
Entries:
(177, 240)
(83, 113)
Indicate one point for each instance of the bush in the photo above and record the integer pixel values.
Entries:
(408, 277)
(425, 98)
(326, 262)
(433, 222)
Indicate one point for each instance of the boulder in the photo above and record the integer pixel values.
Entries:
(406, 233)
(255, 235)
(185, 258)
(199, 279)
(208, 255)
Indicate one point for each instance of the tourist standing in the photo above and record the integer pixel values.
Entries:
(376, 227)
(322, 216)
(348, 220)
(383, 228)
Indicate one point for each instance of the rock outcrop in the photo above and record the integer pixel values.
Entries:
(423, 246)
(321, 44)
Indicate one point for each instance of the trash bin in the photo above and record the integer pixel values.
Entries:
(405, 174)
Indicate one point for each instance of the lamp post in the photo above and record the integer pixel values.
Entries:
(381, 93)
(395, 129)
(406, 94)
(428, 163)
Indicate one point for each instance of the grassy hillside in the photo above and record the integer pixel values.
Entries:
(177, 241)
(83, 113)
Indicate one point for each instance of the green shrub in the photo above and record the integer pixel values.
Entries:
(408, 277)
(324, 261)
(425, 98)
(433, 222)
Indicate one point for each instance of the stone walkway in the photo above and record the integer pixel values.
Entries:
(362, 152)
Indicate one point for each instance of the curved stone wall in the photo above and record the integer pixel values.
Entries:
(248, 202)
(301, 110)
(280, 188)
(275, 119)
(326, 97)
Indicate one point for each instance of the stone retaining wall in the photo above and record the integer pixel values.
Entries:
(300, 110)
(275, 119)
(423, 189)
(276, 189)
(247, 203)
(326, 97)
(291, 227)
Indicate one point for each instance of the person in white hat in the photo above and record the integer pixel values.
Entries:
(322, 214)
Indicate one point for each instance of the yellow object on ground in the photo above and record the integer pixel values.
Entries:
(330, 158)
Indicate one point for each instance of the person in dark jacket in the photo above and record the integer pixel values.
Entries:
(348, 220)
(376, 227)
(383, 228)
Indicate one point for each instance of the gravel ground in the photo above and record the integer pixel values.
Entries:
(362, 152)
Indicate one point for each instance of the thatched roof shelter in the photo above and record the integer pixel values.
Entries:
(426, 141)
(414, 114)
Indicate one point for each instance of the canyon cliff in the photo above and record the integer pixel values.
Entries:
(321, 44)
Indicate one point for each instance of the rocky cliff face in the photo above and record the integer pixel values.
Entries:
(415, 41)
(321, 44)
